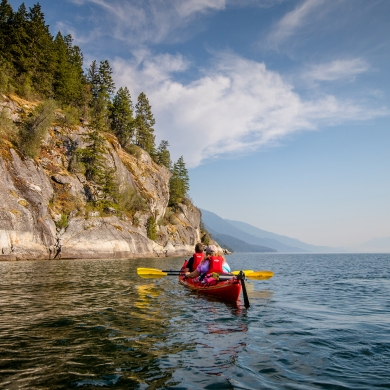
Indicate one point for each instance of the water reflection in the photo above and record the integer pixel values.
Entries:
(96, 324)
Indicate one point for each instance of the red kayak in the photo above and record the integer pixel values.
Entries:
(228, 290)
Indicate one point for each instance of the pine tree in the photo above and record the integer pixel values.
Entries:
(144, 122)
(121, 115)
(183, 174)
(179, 183)
(40, 50)
(69, 81)
(93, 157)
(6, 16)
(102, 87)
(18, 40)
(163, 155)
(6, 67)
(151, 228)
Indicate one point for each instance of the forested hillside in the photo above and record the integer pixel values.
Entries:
(95, 147)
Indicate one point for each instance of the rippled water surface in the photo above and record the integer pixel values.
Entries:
(322, 322)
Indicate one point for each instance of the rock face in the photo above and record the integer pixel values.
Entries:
(36, 194)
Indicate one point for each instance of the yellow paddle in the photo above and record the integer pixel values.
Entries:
(156, 273)
(246, 271)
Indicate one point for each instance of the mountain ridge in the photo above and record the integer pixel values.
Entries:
(252, 235)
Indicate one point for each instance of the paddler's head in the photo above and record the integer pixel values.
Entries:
(199, 248)
(211, 250)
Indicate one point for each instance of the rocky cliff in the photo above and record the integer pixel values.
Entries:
(46, 212)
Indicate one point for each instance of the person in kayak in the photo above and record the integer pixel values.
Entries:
(196, 258)
(213, 262)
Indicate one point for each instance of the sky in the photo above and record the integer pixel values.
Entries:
(280, 108)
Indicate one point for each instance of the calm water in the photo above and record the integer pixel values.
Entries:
(322, 322)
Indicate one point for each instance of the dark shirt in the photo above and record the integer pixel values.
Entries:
(190, 263)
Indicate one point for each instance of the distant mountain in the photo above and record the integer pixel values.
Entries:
(254, 236)
(237, 245)
(252, 230)
(377, 244)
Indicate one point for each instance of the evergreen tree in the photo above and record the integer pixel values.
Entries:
(102, 87)
(183, 174)
(6, 16)
(93, 79)
(41, 58)
(163, 155)
(151, 228)
(121, 115)
(93, 157)
(144, 122)
(18, 40)
(69, 81)
(179, 183)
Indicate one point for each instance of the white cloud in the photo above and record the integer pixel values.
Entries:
(292, 21)
(338, 69)
(139, 22)
(236, 106)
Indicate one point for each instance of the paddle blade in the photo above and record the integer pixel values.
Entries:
(145, 276)
(259, 275)
(150, 273)
(153, 270)
(245, 271)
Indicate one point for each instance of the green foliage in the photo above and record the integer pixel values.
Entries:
(93, 157)
(70, 116)
(134, 150)
(151, 228)
(35, 128)
(34, 64)
(102, 87)
(130, 201)
(76, 164)
(169, 218)
(62, 222)
(205, 235)
(93, 160)
(163, 155)
(7, 127)
(144, 122)
(69, 81)
(205, 239)
(179, 183)
(110, 186)
(121, 115)
(6, 74)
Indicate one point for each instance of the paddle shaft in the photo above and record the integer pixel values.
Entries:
(244, 293)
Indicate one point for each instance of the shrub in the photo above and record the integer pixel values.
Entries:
(34, 129)
(7, 127)
(130, 201)
(151, 228)
(134, 150)
(70, 116)
(62, 222)
(76, 165)
(168, 218)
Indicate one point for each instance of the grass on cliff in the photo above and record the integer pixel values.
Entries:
(34, 129)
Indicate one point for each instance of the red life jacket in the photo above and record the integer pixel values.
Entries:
(198, 257)
(216, 263)
(184, 265)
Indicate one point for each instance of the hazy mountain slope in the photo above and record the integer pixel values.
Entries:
(254, 231)
(238, 245)
(217, 224)
(376, 244)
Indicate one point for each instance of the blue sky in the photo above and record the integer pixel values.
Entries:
(279, 107)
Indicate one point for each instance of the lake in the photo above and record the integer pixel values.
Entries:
(322, 322)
